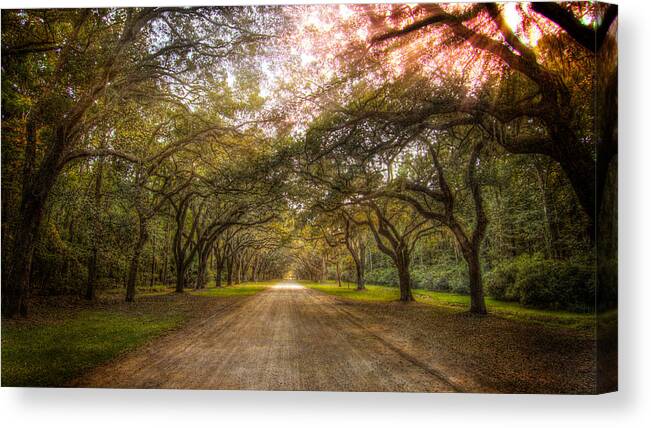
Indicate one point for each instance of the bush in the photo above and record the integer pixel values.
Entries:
(423, 277)
(557, 285)
(383, 276)
(500, 282)
(450, 278)
(534, 281)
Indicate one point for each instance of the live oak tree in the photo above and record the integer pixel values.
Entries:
(220, 255)
(430, 193)
(337, 230)
(308, 262)
(224, 196)
(148, 202)
(197, 228)
(356, 243)
(396, 232)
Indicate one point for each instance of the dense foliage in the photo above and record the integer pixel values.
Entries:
(431, 146)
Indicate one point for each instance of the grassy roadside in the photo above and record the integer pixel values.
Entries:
(244, 289)
(52, 354)
(54, 348)
(456, 302)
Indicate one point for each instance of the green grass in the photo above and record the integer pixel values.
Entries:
(373, 293)
(52, 354)
(244, 289)
(510, 310)
(141, 291)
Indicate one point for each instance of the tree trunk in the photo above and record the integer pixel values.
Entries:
(254, 271)
(36, 189)
(229, 271)
(359, 272)
(202, 275)
(401, 261)
(579, 167)
(477, 303)
(15, 285)
(92, 261)
(470, 252)
(180, 277)
(218, 274)
(135, 262)
(471, 248)
(237, 275)
(404, 282)
(359, 258)
(338, 274)
(324, 270)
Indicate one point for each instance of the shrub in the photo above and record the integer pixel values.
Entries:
(451, 278)
(383, 276)
(552, 284)
(499, 281)
(557, 285)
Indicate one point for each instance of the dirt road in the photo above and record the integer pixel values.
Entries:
(285, 338)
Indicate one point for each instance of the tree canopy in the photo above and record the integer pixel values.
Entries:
(465, 147)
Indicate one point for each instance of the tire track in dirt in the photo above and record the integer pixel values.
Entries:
(358, 322)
